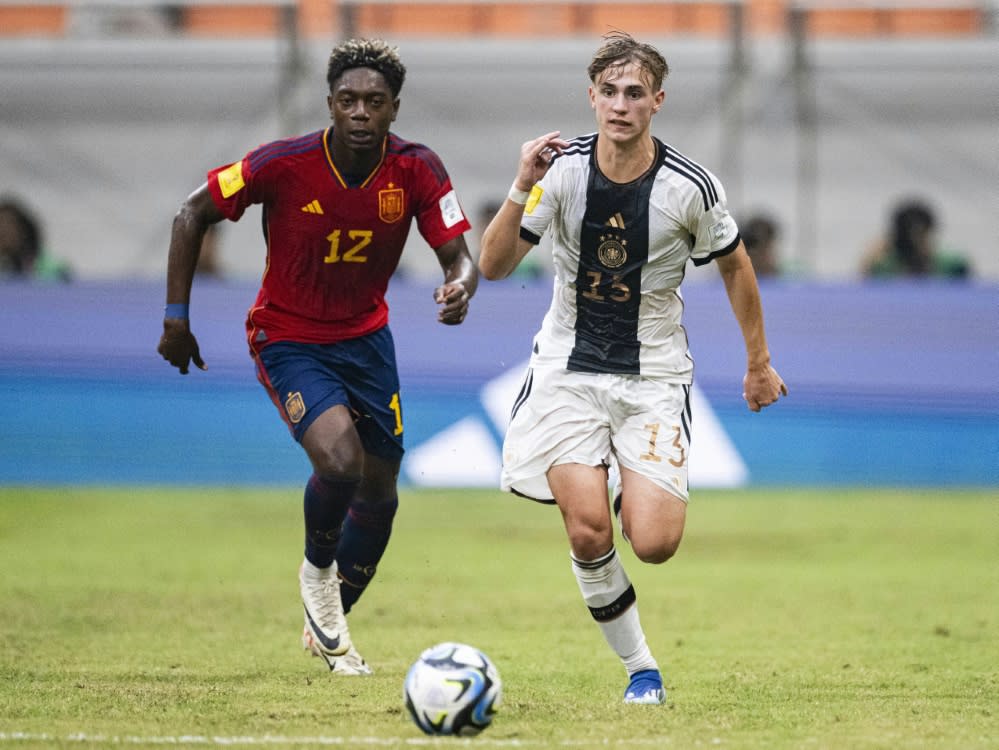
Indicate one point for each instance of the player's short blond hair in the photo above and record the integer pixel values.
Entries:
(367, 53)
(619, 49)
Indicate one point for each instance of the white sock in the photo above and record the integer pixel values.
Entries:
(610, 596)
(311, 573)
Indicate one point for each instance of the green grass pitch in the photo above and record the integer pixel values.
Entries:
(789, 619)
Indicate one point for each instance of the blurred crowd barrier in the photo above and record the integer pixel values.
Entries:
(821, 114)
(512, 18)
(891, 384)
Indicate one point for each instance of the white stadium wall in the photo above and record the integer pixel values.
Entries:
(105, 140)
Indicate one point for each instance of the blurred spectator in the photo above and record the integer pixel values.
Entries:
(759, 234)
(22, 251)
(91, 20)
(911, 249)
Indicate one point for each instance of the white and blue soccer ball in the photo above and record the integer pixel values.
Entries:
(452, 689)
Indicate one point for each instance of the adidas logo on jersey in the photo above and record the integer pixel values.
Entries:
(616, 221)
(313, 208)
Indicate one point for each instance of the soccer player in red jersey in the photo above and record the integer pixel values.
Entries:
(337, 208)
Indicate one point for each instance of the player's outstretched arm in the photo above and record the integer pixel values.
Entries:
(461, 279)
(762, 385)
(502, 246)
(178, 346)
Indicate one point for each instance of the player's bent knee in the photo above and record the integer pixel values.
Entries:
(589, 543)
(338, 464)
(655, 552)
(333, 445)
(655, 557)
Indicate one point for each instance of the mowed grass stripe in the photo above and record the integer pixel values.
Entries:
(317, 741)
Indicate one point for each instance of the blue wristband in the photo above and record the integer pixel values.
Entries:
(177, 310)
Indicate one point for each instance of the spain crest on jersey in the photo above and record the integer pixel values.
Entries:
(294, 407)
(391, 205)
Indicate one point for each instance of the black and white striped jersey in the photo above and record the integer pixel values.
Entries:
(619, 254)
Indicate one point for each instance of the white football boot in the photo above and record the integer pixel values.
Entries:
(350, 664)
(325, 623)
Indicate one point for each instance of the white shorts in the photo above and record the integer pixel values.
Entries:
(594, 419)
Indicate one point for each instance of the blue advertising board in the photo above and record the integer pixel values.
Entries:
(890, 384)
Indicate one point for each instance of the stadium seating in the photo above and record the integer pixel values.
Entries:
(33, 20)
(515, 18)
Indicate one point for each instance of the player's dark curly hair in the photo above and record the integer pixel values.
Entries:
(619, 49)
(367, 53)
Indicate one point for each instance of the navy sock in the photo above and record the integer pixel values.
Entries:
(365, 536)
(326, 503)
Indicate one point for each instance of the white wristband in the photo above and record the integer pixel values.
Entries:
(518, 196)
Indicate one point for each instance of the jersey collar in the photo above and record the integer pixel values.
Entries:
(327, 134)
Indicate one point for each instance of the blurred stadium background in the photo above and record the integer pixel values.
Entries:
(821, 113)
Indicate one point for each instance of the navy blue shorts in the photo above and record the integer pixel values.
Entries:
(304, 380)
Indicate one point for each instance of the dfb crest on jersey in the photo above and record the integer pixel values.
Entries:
(391, 204)
(611, 251)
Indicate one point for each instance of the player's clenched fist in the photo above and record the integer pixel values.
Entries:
(179, 347)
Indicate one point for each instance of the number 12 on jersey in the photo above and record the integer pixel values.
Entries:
(360, 238)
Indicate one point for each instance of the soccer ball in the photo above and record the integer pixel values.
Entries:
(452, 688)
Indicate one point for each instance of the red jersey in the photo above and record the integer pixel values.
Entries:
(331, 248)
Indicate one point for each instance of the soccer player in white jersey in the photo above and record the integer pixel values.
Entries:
(610, 373)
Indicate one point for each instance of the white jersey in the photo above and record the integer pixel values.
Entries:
(619, 255)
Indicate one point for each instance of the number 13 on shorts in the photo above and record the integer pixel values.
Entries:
(678, 450)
